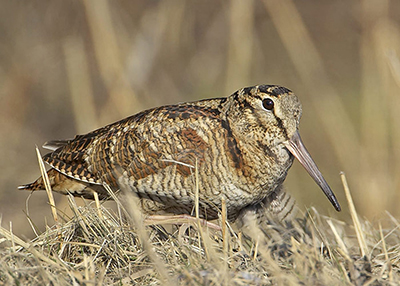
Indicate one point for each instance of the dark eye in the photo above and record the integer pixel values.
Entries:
(268, 104)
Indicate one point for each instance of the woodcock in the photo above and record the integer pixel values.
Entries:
(243, 146)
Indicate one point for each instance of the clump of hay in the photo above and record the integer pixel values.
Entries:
(98, 246)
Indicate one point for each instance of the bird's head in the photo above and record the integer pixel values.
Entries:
(269, 115)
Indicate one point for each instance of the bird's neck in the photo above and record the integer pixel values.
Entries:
(264, 163)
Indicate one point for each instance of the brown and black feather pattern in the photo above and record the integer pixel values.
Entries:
(235, 142)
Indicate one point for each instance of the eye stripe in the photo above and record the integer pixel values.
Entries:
(280, 125)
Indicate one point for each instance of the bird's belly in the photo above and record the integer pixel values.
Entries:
(170, 191)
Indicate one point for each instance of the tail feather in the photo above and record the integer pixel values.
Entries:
(66, 185)
(37, 185)
(55, 144)
(30, 187)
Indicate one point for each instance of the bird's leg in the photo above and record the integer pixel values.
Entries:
(179, 219)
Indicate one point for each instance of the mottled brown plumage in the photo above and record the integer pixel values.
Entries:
(242, 145)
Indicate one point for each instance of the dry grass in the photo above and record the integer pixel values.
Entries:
(98, 246)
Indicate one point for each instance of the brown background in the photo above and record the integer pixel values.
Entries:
(67, 67)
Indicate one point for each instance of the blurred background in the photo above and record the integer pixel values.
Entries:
(68, 67)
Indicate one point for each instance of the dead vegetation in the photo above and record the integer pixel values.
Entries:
(102, 247)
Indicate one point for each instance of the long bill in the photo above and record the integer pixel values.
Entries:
(297, 148)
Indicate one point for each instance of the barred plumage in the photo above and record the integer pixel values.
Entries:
(243, 146)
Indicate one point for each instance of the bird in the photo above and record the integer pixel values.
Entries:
(237, 149)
